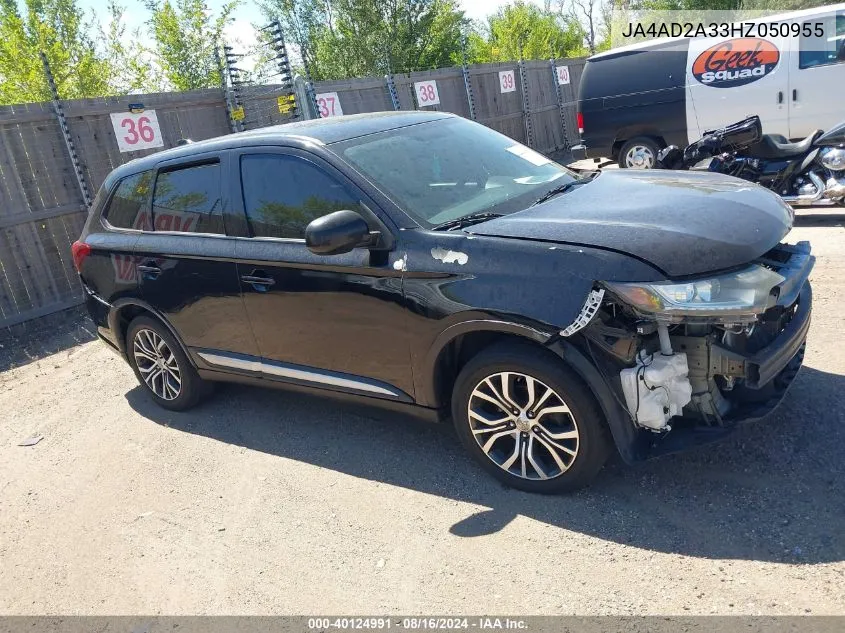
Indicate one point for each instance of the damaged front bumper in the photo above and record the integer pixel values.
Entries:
(691, 381)
(769, 371)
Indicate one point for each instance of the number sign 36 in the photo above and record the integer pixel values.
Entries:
(427, 93)
(136, 131)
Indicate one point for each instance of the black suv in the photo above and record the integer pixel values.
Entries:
(430, 264)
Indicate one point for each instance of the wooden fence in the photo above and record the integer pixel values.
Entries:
(42, 208)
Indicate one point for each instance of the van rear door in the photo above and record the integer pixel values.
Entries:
(817, 74)
(729, 79)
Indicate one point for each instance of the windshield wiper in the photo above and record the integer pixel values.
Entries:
(466, 220)
(551, 193)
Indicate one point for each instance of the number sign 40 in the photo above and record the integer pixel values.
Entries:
(427, 93)
(136, 131)
(562, 75)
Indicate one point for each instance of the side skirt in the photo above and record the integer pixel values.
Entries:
(364, 402)
(299, 374)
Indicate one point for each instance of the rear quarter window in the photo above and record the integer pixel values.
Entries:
(188, 200)
(129, 206)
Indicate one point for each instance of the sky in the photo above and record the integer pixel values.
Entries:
(248, 13)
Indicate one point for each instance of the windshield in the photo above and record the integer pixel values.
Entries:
(447, 169)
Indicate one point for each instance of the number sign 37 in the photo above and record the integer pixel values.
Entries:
(328, 105)
(136, 131)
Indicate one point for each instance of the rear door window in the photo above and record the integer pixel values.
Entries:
(189, 200)
(129, 206)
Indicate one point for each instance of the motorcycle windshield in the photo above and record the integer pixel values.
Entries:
(834, 136)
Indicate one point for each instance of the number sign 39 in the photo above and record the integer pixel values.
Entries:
(136, 131)
(328, 105)
(427, 92)
(507, 82)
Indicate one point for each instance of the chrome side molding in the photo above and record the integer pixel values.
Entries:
(300, 374)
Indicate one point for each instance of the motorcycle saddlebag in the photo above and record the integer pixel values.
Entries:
(738, 135)
(670, 158)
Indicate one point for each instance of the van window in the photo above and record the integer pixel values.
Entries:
(189, 200)
(823, 51)
(128, 207)
(282, 194)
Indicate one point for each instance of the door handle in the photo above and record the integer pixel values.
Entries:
(149, 272)
(780, 97)
(258, 280)
(794, 94)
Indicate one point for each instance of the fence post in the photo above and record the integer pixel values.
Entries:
(223, 86)
(233, 80)
(526, 106)
(560, 107)
(310, 93)
(278, 44)
(71, 150)
(467, 81)
(391, 89)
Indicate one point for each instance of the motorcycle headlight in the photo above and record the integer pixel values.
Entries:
(741, 294)
(833, 158)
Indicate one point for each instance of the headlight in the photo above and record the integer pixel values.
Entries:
(833, 158)
(744, 293)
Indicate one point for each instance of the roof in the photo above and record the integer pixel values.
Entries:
(318, 131)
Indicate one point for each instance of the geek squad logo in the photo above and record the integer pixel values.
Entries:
(736, 62)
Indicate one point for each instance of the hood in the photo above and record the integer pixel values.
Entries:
(684, 223)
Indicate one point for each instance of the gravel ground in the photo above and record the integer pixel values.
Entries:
(268, 502)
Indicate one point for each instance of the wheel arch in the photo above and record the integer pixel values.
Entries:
(125, 310)
(455, 345)
(638, 131)
(625, 436)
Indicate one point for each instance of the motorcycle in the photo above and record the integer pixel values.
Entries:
(809, 172)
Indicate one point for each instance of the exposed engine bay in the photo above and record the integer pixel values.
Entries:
(709, 361)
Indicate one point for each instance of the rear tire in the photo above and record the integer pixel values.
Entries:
(639, 153)
(529, 420)
(161, 366)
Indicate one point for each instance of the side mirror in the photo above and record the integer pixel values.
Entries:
(840, 56)
(337, 233)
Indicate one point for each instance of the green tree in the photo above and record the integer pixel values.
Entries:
(58, 28)
(527, 29)
(185, 34)
(356, 38)
(129, 67)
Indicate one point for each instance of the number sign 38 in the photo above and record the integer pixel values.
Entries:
(427, 93)
(136, 131)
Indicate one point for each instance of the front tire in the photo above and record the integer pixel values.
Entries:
(639, 153)
(161, 366)
(529, 420)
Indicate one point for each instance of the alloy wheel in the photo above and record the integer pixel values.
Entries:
(157, 364)
(523, 425)
(639, 157)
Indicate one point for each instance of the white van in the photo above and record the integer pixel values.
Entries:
(636, 99)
